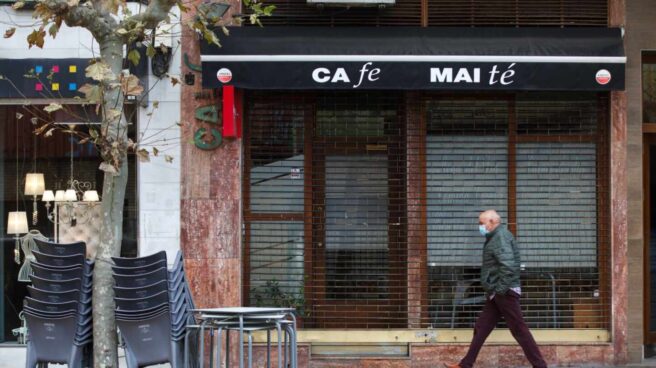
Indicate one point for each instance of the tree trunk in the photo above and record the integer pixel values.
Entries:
(105, 354)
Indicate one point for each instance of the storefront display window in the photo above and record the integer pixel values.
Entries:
(59, 157)
(364, 231)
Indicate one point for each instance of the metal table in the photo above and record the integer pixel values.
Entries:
(246, 319)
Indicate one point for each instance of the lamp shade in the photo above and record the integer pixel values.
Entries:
(34, 184)
(17, 223)
(59, 196)
(90, 196)
(48, 196)
(70, 195)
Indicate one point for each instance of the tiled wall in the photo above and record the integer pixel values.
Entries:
(639, 36)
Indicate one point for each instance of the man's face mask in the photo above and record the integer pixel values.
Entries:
(482, 230)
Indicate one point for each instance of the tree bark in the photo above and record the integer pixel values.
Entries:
(105, 348)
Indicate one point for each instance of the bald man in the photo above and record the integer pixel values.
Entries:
(500, 279)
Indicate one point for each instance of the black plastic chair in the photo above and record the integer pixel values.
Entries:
(52, 296)
(52, 340)
(133, 281)
(59, 261)
(52, 307)
(138, 304)
(56, 285)
(140, 270)
(141, 292)
(61, 249)
(148, 341)
(141, 261)
(62, 274)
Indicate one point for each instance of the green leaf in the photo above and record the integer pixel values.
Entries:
(52, 107)
(168, 158)
(268, 10)
(150, 51)
(52, 31)
(134, 56)
(121, 31)
(93, 133)
(155, 151)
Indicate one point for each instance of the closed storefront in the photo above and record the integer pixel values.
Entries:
(368, 154)
(362, 207)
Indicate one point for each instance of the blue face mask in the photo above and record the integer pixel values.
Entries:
(482, 230)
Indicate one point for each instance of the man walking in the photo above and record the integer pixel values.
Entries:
(500, 280)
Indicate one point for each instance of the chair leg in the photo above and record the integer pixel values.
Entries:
(250, 350)
(268, 358)
(30, 359)
(218, 346)
(227, 348)
(212, 347)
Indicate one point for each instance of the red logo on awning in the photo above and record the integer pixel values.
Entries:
(224, 75)
(603, 76)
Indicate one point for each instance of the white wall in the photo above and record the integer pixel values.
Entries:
(158, 181)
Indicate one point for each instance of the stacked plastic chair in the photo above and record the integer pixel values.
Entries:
(153, 308)
(58, 306)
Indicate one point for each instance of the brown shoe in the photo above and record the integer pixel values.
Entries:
(452, 365)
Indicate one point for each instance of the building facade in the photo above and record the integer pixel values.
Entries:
(352, 191)
(34, 78)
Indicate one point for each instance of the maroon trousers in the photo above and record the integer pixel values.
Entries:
(506, 306)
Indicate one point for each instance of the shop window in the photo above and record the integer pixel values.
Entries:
(22, 152)
(546, 177)
(361, 208)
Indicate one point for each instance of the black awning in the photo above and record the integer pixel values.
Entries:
(417, 58)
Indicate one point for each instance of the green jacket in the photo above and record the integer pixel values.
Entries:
(501, 265)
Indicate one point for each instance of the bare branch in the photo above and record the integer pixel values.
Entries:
(82, 15)
(156, 12)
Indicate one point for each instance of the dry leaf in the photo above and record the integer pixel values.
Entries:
(10, 32)
(92, 93)
(99, 71)
(168, 158)
(143, 155)
(34, 120)
(19, 116)
(130, 85)
(53, 106)
(17, 5)
(155, 151)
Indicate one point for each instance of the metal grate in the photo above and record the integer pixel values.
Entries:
(361, 208)
(471, 13)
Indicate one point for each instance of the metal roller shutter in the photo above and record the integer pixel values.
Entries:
(361, 208)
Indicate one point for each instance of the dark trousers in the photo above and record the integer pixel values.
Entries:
(506, 306)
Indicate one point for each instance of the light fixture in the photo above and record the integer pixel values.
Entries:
(90, 196)
(34, 186)
(48, 196)
(59, 195)
(16, 225)
(68, 208)
(70, 195)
